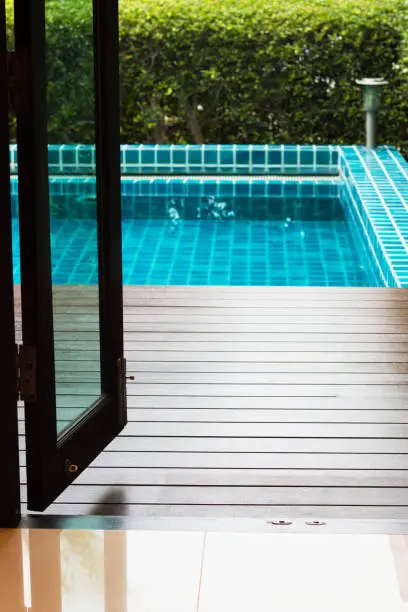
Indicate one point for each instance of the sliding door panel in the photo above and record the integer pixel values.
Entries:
(70, 237)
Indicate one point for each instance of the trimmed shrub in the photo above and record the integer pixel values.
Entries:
(236, 71)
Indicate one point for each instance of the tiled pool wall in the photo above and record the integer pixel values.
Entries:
(196, 159)
(372, 187)
(251, 198)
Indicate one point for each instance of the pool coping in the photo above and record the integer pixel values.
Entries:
(373, 182)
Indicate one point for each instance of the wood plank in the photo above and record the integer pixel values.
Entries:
(258, 445)
(85, 390)
(133, 444)
(267, 378)
(87, 291)
(239, 478)
(260, 431)
(77, 339)
(247, 403)
(319, 301)
(217, 512)
(82, 348)
(290, 293)
(177, 365)
(83, 338)
(275, 390)
(271, 496)
(94, 366)
(91, 329)
(132, 347)
(268, 315)
(398, 312)
(241, 378)
(287, 291)
(244, 328)
(226, 327)
(214, 415)
(260, 356)
(300, 335)
(251, 461)
(74, 355)
(267, 430)
(243, 478)
(247, 390)
(249, 315)
(211, 415)
(220, 296)
(254, 461)
(250, 403)
(387, 515)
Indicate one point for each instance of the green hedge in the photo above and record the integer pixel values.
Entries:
(234, 71)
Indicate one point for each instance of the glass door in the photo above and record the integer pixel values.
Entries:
(70, 238)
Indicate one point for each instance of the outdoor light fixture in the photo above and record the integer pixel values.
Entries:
(371, 106)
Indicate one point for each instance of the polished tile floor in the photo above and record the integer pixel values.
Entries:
(152, 571)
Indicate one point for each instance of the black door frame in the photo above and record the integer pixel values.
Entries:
(49, 456)
(9, 462)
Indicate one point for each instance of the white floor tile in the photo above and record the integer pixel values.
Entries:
(299, 573)
(163, 571)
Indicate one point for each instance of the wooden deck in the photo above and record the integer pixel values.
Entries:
(251, 402)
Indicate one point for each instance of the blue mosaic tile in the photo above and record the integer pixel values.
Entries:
(148, 156)
(178, 155)
(306, 157)
(211, 157)
(322, 158)
(258, 156)
(132, 156)
(68, 155)
(195, 156)
(290, 157)
(275, 157)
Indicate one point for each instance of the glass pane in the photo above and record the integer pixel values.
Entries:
(73, 210)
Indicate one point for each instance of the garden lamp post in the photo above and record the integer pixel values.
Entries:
(371, 89)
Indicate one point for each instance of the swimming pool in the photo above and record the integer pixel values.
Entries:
(317, 216)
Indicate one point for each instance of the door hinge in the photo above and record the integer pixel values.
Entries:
(17, 69)
(26, 373)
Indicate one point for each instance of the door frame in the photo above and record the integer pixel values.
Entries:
(49, 456)
(9, 459)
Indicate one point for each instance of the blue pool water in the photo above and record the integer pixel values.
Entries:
(234, 251)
